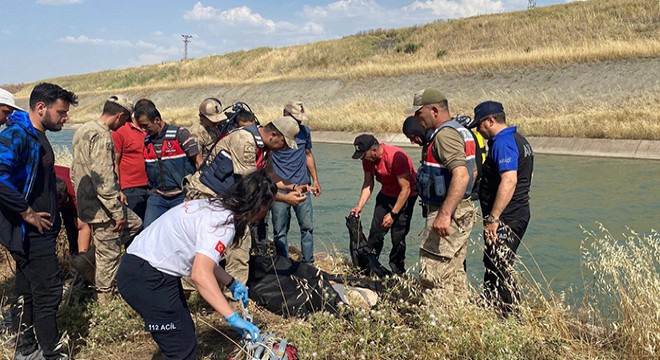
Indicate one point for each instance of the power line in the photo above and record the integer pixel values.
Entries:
(186, 40)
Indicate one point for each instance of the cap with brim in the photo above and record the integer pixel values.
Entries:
(6, 98)
(486, 109)
(289, 128)
(363, 143)
(122, 101)
(425, 97)
(296, 109)
(212, 109)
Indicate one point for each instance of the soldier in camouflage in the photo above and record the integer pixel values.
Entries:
(247, 147)
(97, 190)
(206, 131)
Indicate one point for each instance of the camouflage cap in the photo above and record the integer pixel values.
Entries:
(296, 109)
(211, 108)
(122, 101)
(425, 97)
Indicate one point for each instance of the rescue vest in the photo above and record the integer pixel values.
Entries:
(433, 178)
(219, 174)
(166, 170)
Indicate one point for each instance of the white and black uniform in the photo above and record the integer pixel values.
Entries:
(149, 277)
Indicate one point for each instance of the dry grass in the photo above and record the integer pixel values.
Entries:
(618, 317)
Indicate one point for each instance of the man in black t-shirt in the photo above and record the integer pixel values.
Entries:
(29, 218)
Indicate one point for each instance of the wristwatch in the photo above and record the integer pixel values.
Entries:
(490, 220)
(393, 214)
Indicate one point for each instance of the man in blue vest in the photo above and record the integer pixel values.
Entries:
(170, 153)
(504, 198)
(444, 183)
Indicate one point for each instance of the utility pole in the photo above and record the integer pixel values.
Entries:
(186, 40)
(531, 4)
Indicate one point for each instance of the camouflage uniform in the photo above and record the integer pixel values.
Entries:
(242, 149)
(97, 191)
(441, 258)
(204, 136)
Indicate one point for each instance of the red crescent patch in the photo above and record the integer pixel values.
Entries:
(220, 247)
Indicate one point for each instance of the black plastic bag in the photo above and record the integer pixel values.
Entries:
(362, 254)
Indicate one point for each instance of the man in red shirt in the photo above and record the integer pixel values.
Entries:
(129, 165)
(395, 202)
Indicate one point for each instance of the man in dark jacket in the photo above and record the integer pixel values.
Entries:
(29, 220)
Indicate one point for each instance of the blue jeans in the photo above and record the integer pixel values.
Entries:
(281, 224)
(158, 205)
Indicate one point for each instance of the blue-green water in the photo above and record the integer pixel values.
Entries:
(567, 192)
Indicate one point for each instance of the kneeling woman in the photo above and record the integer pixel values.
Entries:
(189, 240)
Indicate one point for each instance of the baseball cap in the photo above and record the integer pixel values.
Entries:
(289, 128)
(486, 109)
(122, 101)
(425, 97)
(363, 143)
(6, 98)
(296, 109)
(211, 108)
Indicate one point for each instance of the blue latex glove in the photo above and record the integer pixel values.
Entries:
(243, 326)
(239, 292)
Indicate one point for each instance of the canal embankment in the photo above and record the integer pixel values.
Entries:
(630, 149)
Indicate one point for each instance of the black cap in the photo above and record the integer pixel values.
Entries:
(363, 143)
(486, 109)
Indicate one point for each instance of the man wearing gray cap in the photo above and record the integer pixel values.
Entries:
(444, 184)
(97, 191)
(206, 131)
(7, 105)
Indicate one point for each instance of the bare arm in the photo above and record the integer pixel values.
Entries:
(311, 168)
(365, 193)
(457, 186)
(509, 180)
(198, 160)
(294, 196)
(206, 274)
(404, 183)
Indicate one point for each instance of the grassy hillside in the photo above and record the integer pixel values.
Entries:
(473, 59)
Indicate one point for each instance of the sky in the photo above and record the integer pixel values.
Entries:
(41, 39)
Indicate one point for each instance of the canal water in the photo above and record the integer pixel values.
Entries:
(568, 194)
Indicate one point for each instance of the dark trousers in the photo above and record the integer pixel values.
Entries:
(499, 285)
(399, 230)
(137, 199)
(39, 293)
(159, 299)
(158, 205)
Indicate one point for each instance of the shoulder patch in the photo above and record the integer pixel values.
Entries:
(220, 247)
